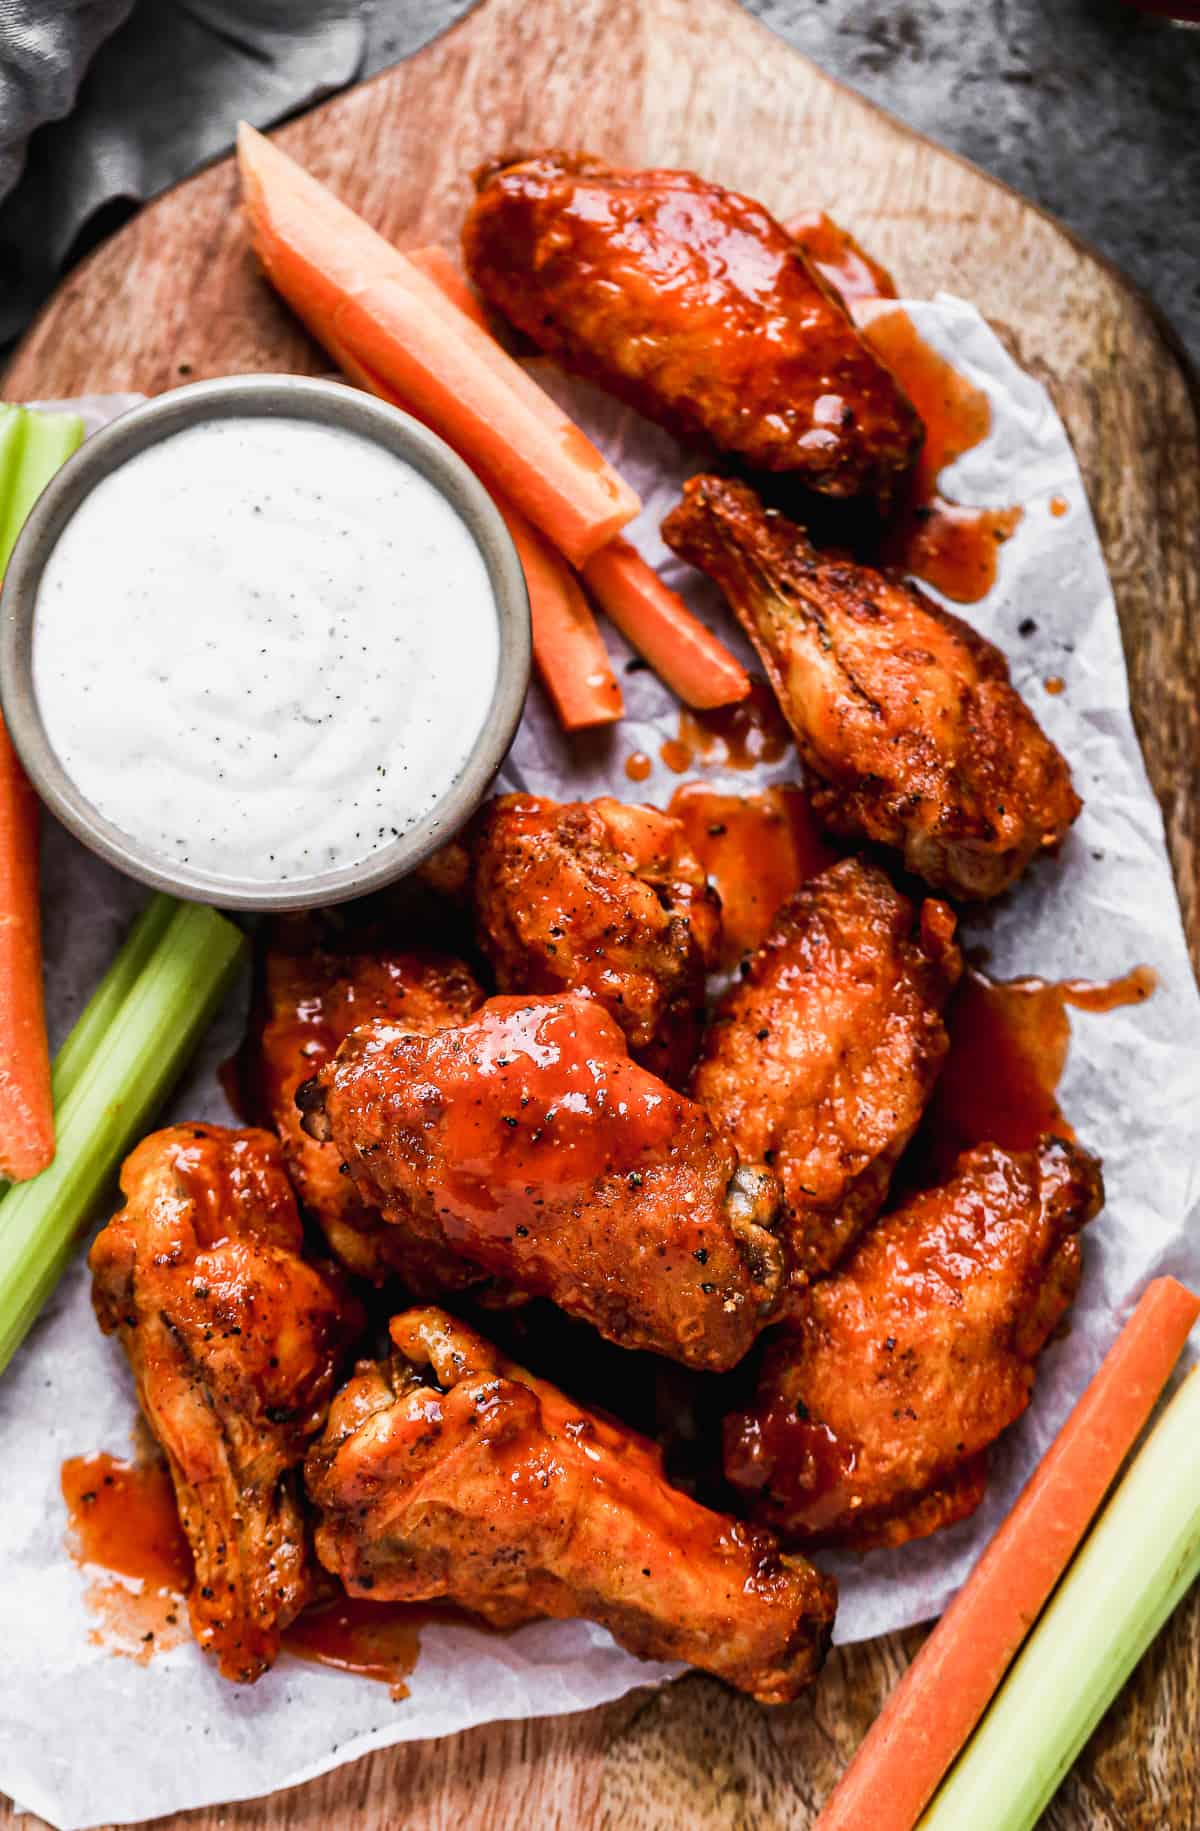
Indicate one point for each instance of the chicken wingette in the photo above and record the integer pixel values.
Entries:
(904, 713)
(877, 1403)
(449, 1472)
(526, 1140)
(694, 305)
(235, 1340)
(821, 1057)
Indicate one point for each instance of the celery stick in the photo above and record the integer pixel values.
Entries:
(131, 1069)
(32, 447)
(107, 999)
(1138, 1563)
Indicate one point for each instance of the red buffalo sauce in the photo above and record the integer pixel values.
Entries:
(379, 1640)
(1008, 1047)
(757, 849)
(737, 737)
(949, 546)
(638, 766)
(122, 1519)
(839, 259)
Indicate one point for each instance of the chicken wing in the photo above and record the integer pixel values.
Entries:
(820, 1060)
(235, 1342)
(448, 1471)
(874, 1414)
(528, 1141)
(313, 999)
(605, 899)
(903, 710)
(694, 305)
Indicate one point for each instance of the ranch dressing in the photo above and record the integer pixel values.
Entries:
(265, 647)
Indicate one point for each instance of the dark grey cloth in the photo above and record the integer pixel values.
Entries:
(1090, 107)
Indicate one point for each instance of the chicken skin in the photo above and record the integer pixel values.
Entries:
(528, 1141)
(235, 1342)
(447, 1471)
(875, 1412)
(313, 999)
(904, 712)
(820, 1060)
(605, 899)
(694, 305)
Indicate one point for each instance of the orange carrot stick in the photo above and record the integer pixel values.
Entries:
(945, 1691)
(659, 625)
(438, 265)
(568, 649)
(328, 262)
(26, 1107)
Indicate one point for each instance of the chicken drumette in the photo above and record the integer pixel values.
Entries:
(447, 1471)
(876, 1408)
(601, 898)
(313, 999)
(528, 1141)
(904, 712)
(694, 305)
(821, 1058)
(235, 1341)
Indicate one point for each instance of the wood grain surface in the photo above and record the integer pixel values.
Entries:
(174, 297)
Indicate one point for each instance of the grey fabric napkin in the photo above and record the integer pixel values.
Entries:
(153, 90)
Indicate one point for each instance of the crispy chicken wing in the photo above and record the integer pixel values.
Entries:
(605, 899)
(235, 1341)
(874, 1413)
(903, 710)
(528, 1141)
(448, 1471)
(694, 305)
(313, 999)
(820, 1060)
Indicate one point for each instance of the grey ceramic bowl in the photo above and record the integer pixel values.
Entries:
(291, 397)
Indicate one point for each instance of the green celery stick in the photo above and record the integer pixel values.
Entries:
(107, 999)
(32, 447)
(130, 1070)
(1140, 1560)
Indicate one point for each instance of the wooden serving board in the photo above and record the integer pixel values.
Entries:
(174, 297)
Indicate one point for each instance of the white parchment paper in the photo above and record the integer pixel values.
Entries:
(86, 1737)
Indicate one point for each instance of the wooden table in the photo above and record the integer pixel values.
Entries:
(697, 82)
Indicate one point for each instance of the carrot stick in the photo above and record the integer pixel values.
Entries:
(26, 1106)
(325, 260)
(568, 649)
(945, 1691)
(442, 268)
(659, 625)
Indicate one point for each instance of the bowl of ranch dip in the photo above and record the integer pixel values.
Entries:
(264, 642)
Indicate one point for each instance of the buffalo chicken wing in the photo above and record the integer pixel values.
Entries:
(904, 712)
(821, 1058)
(875, 1411)
(605, 899)
(694, 305)
(235, 1341)
(528, 1141)
(448, 1472)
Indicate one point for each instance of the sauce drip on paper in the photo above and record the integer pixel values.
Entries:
(379, 1640)
(1008, 1047)
(756, 849)
(951, 547)
(736, 737)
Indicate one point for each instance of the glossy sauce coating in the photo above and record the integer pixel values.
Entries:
(839, 259)
(756, 849)
(532, 1144)
(694, 305)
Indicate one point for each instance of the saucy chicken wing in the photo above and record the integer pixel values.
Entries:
(235, 1342)
(904, 712)
(605, 899)
(875, 1411)
(447, 1471)
(528, 1141)
(313, 999)
(820, 1060)
(694, 305)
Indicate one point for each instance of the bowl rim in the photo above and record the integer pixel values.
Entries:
(281, 397)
